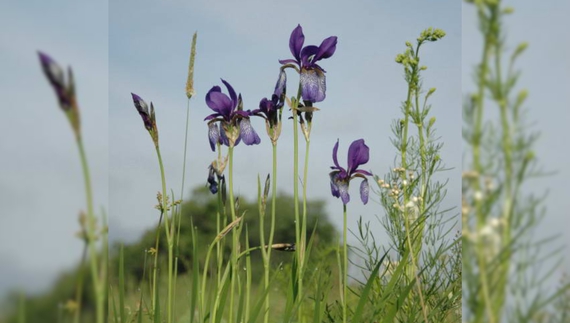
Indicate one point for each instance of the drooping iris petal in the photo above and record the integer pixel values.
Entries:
(281, 85)
(247, 133)
(296, 42)
(313, 85)
(334, 185)
(343, 191)
(358, 154)
(213, 135)
(364, 191)
(326, 49)
(339, 186)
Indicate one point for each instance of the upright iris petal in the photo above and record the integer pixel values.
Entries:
(358, 154)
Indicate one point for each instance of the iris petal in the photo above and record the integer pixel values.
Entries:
(213, 135)
(296, 41)
(358, 154)
(335, 153)
(220, 103)
(247, 133)
(326, 49)
(281, 85)
(308, 54)
(334, 185)
(313, 85)
(364, 191)
(232, 93)
(343, 191)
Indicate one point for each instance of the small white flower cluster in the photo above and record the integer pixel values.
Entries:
(395, 190)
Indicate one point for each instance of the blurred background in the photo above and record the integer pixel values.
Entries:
(41, 183)
(544, 65)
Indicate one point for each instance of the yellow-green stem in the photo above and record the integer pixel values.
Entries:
(298, 233)
(344, 267)
(169, 240)
(234, 233)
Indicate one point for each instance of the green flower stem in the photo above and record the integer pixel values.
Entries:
(266, 252)
(155, 262)
(169, 240)
(298, 233)
(98, 282)
(179, 213)
(218, 245)
(234, 233)
(344, 267)
(303, 239)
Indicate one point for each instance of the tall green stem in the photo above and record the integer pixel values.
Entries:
(234, 233)
(345, 267)
(169, 241)
(267, 253)
(298, 233)
(305, 175)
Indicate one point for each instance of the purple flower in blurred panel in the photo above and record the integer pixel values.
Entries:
(64, 89)
(312, 76)
(55, 75)
(358, 154)
(229, 124)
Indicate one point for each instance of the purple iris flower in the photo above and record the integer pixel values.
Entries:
(313, 82)
(269, 109)
(358, 154)
(234, 123)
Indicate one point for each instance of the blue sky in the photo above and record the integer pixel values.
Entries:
(143, 47)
